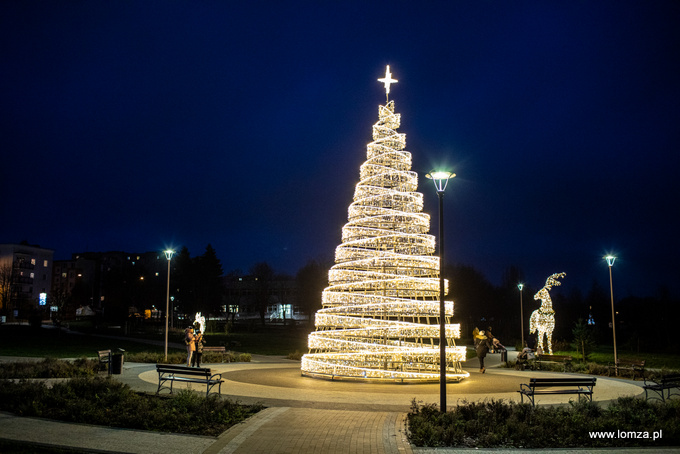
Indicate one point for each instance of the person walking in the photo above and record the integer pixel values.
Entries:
(189, 341)
(482, 346)
(198, 342)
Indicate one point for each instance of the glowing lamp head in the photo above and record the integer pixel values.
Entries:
(440, 179)
(169, 253)
(610, 259)
(520, 286)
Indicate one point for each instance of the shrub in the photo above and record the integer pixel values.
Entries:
(50, 368)
(181, 357)
(560, 345)
(507, 424)
(295, 356)
(103, 401)
(154, 357)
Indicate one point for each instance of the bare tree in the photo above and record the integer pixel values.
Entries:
(5, 286)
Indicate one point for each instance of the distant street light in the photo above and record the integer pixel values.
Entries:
(520, 286)
(441, 179)
(610, 261)
(168, 255)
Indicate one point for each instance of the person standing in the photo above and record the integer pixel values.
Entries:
(189, 341)
(198, 342)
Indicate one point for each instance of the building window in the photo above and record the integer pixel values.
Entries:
(32, 261)
(45, 263)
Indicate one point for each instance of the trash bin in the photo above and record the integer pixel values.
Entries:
(117, 363)
(504, 356)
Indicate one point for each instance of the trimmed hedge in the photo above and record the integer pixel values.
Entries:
(496, 423)
(103, 401)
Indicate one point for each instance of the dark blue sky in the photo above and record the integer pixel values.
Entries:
(137, 125)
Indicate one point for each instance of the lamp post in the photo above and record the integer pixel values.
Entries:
(520, 286)
(441, 179)
(610, 262)
(168, 255)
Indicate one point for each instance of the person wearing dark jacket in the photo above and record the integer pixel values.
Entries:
(198, 342)
(482, 347)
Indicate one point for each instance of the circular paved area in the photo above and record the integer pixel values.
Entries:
(278, 382)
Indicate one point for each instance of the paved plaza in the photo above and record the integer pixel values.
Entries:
(303, 415)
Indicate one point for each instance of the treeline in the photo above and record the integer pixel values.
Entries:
(639, 321)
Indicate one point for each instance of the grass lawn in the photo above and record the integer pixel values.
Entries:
(270, 341)
(605, 356)
(22, 340)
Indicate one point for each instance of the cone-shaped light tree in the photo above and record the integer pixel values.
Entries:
(380, 315)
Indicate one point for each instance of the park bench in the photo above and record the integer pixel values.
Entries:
(564, 359)
(104, 360)
(635, 366)
(666, 383)
(220, 349)
(172, 373)
(578, 386)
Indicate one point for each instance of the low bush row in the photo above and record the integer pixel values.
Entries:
(181, 357)
(103, 401)
(49, 368)
(592, 368)
(497, 423)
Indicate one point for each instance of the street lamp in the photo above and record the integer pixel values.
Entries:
(441, 179)
(610, 261)
(168, 255)
(520, 286)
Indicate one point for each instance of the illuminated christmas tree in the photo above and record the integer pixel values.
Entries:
(380, 315)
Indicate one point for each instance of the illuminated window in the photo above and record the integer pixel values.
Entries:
(45, 263)
(32, 261)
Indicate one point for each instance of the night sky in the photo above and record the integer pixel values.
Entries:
(140, 125)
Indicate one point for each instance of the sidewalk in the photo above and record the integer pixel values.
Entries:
(303, 415)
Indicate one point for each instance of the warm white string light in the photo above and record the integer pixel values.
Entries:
(543, 318)
(380, 316)
(200, 320)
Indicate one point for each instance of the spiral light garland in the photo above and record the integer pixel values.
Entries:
(380, 316)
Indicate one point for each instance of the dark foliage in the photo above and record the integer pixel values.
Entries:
(106, 402)
(508, 424)
(49, 368)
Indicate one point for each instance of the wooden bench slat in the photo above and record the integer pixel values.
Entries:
(635, 366)
(221, 348)
(584, 387)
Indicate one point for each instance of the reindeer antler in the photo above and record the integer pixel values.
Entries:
(553, 280)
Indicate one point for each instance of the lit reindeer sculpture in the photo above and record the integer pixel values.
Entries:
(543, 318)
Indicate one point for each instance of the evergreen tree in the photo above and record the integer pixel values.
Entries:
(184, 283)
(209, 286)
(263, 275)
(584, 339)
(311, 279)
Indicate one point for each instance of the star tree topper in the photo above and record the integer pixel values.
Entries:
(387, 80)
